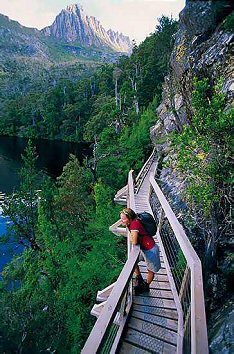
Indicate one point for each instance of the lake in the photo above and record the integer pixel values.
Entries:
(52, 156)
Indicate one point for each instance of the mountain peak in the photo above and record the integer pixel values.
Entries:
(74, 8)
(73, 25)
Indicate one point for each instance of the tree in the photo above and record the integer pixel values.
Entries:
(21, 206)
(73, 202)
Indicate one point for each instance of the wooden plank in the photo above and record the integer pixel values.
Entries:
(154, 302)
(163, 285)
(159, 320)
(176, 298)
(142, 200)
(157, 311)
(161, 277)
(149, 343)
(153, 330)
(161, 294)
(144, 197)
(140, 208)
(127, 348)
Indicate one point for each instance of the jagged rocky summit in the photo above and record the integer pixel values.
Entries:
(73, 25)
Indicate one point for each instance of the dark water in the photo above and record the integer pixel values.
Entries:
(52, 156)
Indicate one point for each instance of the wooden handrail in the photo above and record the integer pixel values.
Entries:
(184, 243)
(106, 318)
(121, 192)
(199, 341)
(131, 199)
(130, 204)
(97, 335)
(144, 170)
(151, 155)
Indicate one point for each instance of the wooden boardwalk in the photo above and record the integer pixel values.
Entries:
(153, 321)
(170, 318)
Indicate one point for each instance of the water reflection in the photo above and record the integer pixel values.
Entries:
(52, 156)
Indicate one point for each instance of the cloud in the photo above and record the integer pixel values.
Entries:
(30, 13)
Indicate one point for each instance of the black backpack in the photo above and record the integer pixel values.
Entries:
(148, 222)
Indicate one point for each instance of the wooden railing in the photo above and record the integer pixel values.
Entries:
(143, 172)
(139, 179)
(106, 333)
(186, 270)
(183, 265)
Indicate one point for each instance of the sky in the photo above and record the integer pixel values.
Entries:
(134, 18)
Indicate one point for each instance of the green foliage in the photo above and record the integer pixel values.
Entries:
(104, 112)
(73, 255)
(204, 148)
(74, 109)
(228, 24)
(21, 207)
(74, 200)
(52, 291)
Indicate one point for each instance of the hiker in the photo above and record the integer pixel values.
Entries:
(149, 250)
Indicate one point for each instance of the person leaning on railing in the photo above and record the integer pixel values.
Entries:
(149, 249)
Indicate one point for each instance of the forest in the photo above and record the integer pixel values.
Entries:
(47, 292)
(69, 254)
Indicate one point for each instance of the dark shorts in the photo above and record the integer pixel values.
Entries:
(151, 258)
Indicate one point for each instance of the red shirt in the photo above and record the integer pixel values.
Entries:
(146, 242)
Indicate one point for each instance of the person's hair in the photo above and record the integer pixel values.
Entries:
(129, 213)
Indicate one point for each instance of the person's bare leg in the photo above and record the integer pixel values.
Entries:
(150, 276)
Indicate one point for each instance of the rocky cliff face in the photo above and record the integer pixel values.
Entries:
(74, 25)
(203, 48)
(17, 40)
(30, 60)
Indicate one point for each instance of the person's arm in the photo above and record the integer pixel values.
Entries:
(134, 237)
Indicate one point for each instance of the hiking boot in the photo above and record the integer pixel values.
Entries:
(138, 287)
(141, 287)
(138, 280)
(145, 287)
